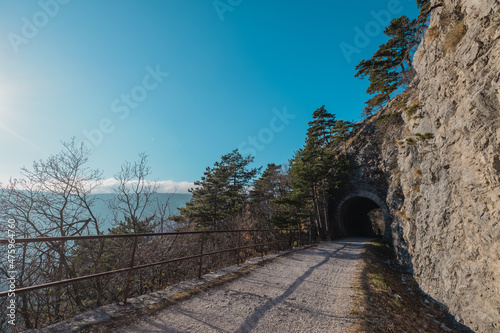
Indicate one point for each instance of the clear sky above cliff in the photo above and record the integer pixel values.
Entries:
(184, 81)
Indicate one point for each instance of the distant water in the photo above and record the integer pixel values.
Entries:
(105, 215)
(177, 200)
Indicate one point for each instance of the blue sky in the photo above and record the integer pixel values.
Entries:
(184, 81)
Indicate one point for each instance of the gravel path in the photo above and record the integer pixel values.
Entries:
(307, 291)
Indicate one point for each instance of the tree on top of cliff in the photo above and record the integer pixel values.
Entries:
(425, 8)
(320, 129)
(391, 66)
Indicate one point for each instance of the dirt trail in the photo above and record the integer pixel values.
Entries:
(307, 291)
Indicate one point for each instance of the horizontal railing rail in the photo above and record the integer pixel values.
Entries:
(288, 233)
(173, 233)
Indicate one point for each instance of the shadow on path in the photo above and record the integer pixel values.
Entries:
(259, 312)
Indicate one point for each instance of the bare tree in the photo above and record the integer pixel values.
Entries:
(163, 214)
(53, 199)
(134, 193)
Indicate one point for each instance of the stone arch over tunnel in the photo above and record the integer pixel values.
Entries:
(356, 215)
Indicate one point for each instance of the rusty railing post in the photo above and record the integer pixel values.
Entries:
(310, 235)
(201, 253)
(132, 257)
(299, 230)
(254, 240)
(254, 248)
(238, 250)
(262, 251)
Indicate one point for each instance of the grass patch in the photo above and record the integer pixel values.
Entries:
(400, 101)
(454, 36)
(402, 216)
(412, 110)
(377, 281)
(389, 300)
(421, 54)
(410, 141)
(388, 117)
(432, 33)
(425, 136)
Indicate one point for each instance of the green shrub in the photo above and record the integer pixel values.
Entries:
(388, 117)
(412, 109)
(425, 136)
(400, 101)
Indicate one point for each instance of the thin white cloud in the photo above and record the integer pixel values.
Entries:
(164, 186)
(22, 138)
(169, 186)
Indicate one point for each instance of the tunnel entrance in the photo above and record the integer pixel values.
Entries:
(360, 216)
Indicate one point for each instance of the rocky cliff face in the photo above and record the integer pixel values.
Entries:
(451, 182)
(443, 166)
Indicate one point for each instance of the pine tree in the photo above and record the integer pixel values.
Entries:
(220, 192)
(341, 129)
(424, 6)
(320, 131)
(265, 189)
(391, 66)
(267, 204)
(317, 170)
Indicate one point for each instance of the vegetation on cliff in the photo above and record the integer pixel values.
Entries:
(391, 66)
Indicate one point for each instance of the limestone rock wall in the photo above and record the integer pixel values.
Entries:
(433, 156)
(447, 218)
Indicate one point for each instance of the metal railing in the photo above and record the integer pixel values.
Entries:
(287, 233)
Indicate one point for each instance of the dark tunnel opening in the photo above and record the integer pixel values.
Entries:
(362, 217)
